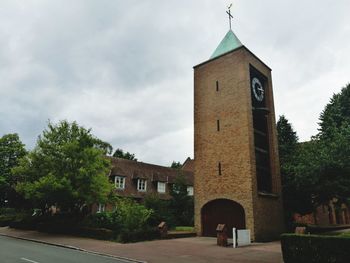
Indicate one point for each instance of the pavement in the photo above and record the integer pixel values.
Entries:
(181, 250)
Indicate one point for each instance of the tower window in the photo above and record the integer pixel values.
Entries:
(218, 125)
(219, 168)
(217, 85)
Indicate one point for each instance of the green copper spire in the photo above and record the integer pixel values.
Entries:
(230, 42)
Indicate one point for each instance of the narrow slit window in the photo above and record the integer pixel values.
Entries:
(217, 85)
(218, 125)
(219, 168)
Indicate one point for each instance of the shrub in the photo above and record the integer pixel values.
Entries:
(315, 249)
(99, 233)
(5, 220)
(108, 220)
(148, 233)
(24, 220)
(133, 216)
(161, 210)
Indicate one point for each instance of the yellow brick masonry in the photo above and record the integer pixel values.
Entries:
(233, 145)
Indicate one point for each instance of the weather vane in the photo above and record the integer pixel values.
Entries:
(229, 14)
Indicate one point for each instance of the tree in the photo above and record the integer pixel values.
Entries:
(119, 153)
(67, 169)
(287, 140)
(336, 113)
(176, 165)
(296, 193)
(334, 137)
(11, 150)
(181, 204)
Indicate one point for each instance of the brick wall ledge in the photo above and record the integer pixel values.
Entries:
(268, 195)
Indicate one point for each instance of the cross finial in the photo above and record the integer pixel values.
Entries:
(229, 14)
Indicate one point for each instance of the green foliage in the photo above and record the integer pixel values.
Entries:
(130, 221)
(109, 220)
(119, 153)
(147, 233)
(133, 216)
(181, 204)
(336, 113)
(313, 248)
(316, 171)
(176, 165)
(11, 150)
(67, 169)
(287, 140)
(161, 210)
(184, 228)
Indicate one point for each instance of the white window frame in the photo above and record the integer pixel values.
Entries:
(101, 208)
(141, 185)
(121, 183)
(161, 187)
(190, 190)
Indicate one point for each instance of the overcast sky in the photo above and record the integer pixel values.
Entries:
(124, 68)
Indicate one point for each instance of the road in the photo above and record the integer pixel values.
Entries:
(20, 251)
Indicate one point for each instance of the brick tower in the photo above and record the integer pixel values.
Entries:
(237, 177)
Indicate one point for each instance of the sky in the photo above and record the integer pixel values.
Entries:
(125, 68)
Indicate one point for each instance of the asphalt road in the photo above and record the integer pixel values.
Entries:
(20, 251)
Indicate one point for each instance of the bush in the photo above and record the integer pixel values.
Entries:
(148, 233)
(108, 220)
(5, 220)
(314, 248)
(162, 211)
(7, 215)
(24, 220)
(99, 233)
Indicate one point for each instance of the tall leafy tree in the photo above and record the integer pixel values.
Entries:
(119, 153)
(334, 137)
(296, 193)
(287, 140)
(67, 169)
(11, 150)
(336, 114)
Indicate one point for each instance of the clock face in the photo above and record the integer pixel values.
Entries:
(258, 89)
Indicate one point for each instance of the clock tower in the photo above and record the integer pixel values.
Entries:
(237, 176)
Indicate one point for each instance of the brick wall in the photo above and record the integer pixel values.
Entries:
(233, 145)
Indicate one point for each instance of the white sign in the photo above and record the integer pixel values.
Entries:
(241, 237)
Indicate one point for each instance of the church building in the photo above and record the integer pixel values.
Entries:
(236, 169)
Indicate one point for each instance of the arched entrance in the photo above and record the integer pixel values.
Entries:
(222, 211)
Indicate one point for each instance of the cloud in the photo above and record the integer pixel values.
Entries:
(124, 68)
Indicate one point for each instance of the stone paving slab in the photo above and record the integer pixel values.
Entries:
(182, 250)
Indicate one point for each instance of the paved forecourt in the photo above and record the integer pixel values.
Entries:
(21, 251)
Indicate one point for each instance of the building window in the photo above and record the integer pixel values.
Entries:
(190, 190)
(119, 182)
(217, 85)
(219, 168)
(101, 208)
(142, 185)
(161, 187)
(218, 125)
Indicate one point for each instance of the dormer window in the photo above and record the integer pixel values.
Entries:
(119, 182)
(141, 185)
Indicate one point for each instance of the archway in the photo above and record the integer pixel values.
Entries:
(222, 211)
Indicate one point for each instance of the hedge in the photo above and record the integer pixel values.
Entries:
(148, 233)
(315, 249)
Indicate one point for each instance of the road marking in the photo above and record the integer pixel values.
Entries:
(32, 261)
